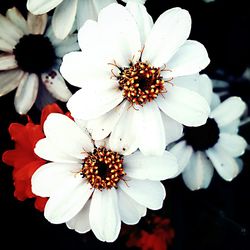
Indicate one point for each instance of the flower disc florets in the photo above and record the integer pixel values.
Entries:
(103, 168)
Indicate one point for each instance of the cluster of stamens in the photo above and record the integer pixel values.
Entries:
(141, 83)
(103, 168)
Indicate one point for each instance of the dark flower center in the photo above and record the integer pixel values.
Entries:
(202, 137)
(103, 168)
(35, 54)
(141, 83)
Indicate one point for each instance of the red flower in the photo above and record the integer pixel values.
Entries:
(23, 159)
(158, 237)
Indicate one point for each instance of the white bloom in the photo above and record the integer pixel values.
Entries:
(31, 54)
(137, 1)
(215, 144)
(125, 71)
(67, 12)
(96, 188)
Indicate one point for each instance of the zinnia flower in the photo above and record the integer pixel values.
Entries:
(128, 73)
(31, 55)
(23, 159)
(66, 11)
(94, 186)
(215, 144)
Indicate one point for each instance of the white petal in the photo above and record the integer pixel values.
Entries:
(215, 101)
(9, 31)
(123, 138)
(130, 211)
(104, 215)
(47, 150)
(169, 32)
(173, 129)
(153, 168)
(183, 153)
(205, 88)
(17, 18)
(42, 6)
(226, 166)
(123, 30)
(7, 62)
(26, 93)
(101, 127)
(67, 200)
(80, 222)
(50, 176)
(64, 17)
(231, 128)
(89, 104)
(198, 172)
(190, 82)
(143, 20)
(5, 46)
(185, 106)
(69, 44)
(68, 137)
(228, 111)
(190, 59)
(80, 71)
(147, 193)
(9, 80)
(233, 144)
(150, 130)
(37, 24)
(56, 85)
(89, 9)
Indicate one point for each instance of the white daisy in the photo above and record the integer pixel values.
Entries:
(67, 11)
(31, 54)
(96, 187)
(126, 73)
(215, 144)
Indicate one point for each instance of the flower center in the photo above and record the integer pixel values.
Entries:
(103, 168)
(141, 83)
(202, 137)
(35, 54)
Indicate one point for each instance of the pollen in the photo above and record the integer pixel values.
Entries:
(141, 83)
(103, 168)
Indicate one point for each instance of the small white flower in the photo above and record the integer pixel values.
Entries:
(67, 12)
(31, 54)
(215, 144)
(127, 72)
(96, 187)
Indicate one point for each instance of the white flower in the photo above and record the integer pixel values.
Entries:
(126, 70)
(31, 54)
(96, 187)
(137, 1)
(215, 144)
(67, 11)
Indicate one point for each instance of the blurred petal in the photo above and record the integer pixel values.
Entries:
(37, 24)
(64, 17)
(228, 111)
(7, 62)
(198, 172)
(56, 85)
(42, 6)
(26, 93)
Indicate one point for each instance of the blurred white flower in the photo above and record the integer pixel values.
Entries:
(128, 73)
(94, 186)
(31, 54)
(67, 12)
(215, 144)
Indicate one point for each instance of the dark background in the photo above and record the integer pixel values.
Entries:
(215, 218)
